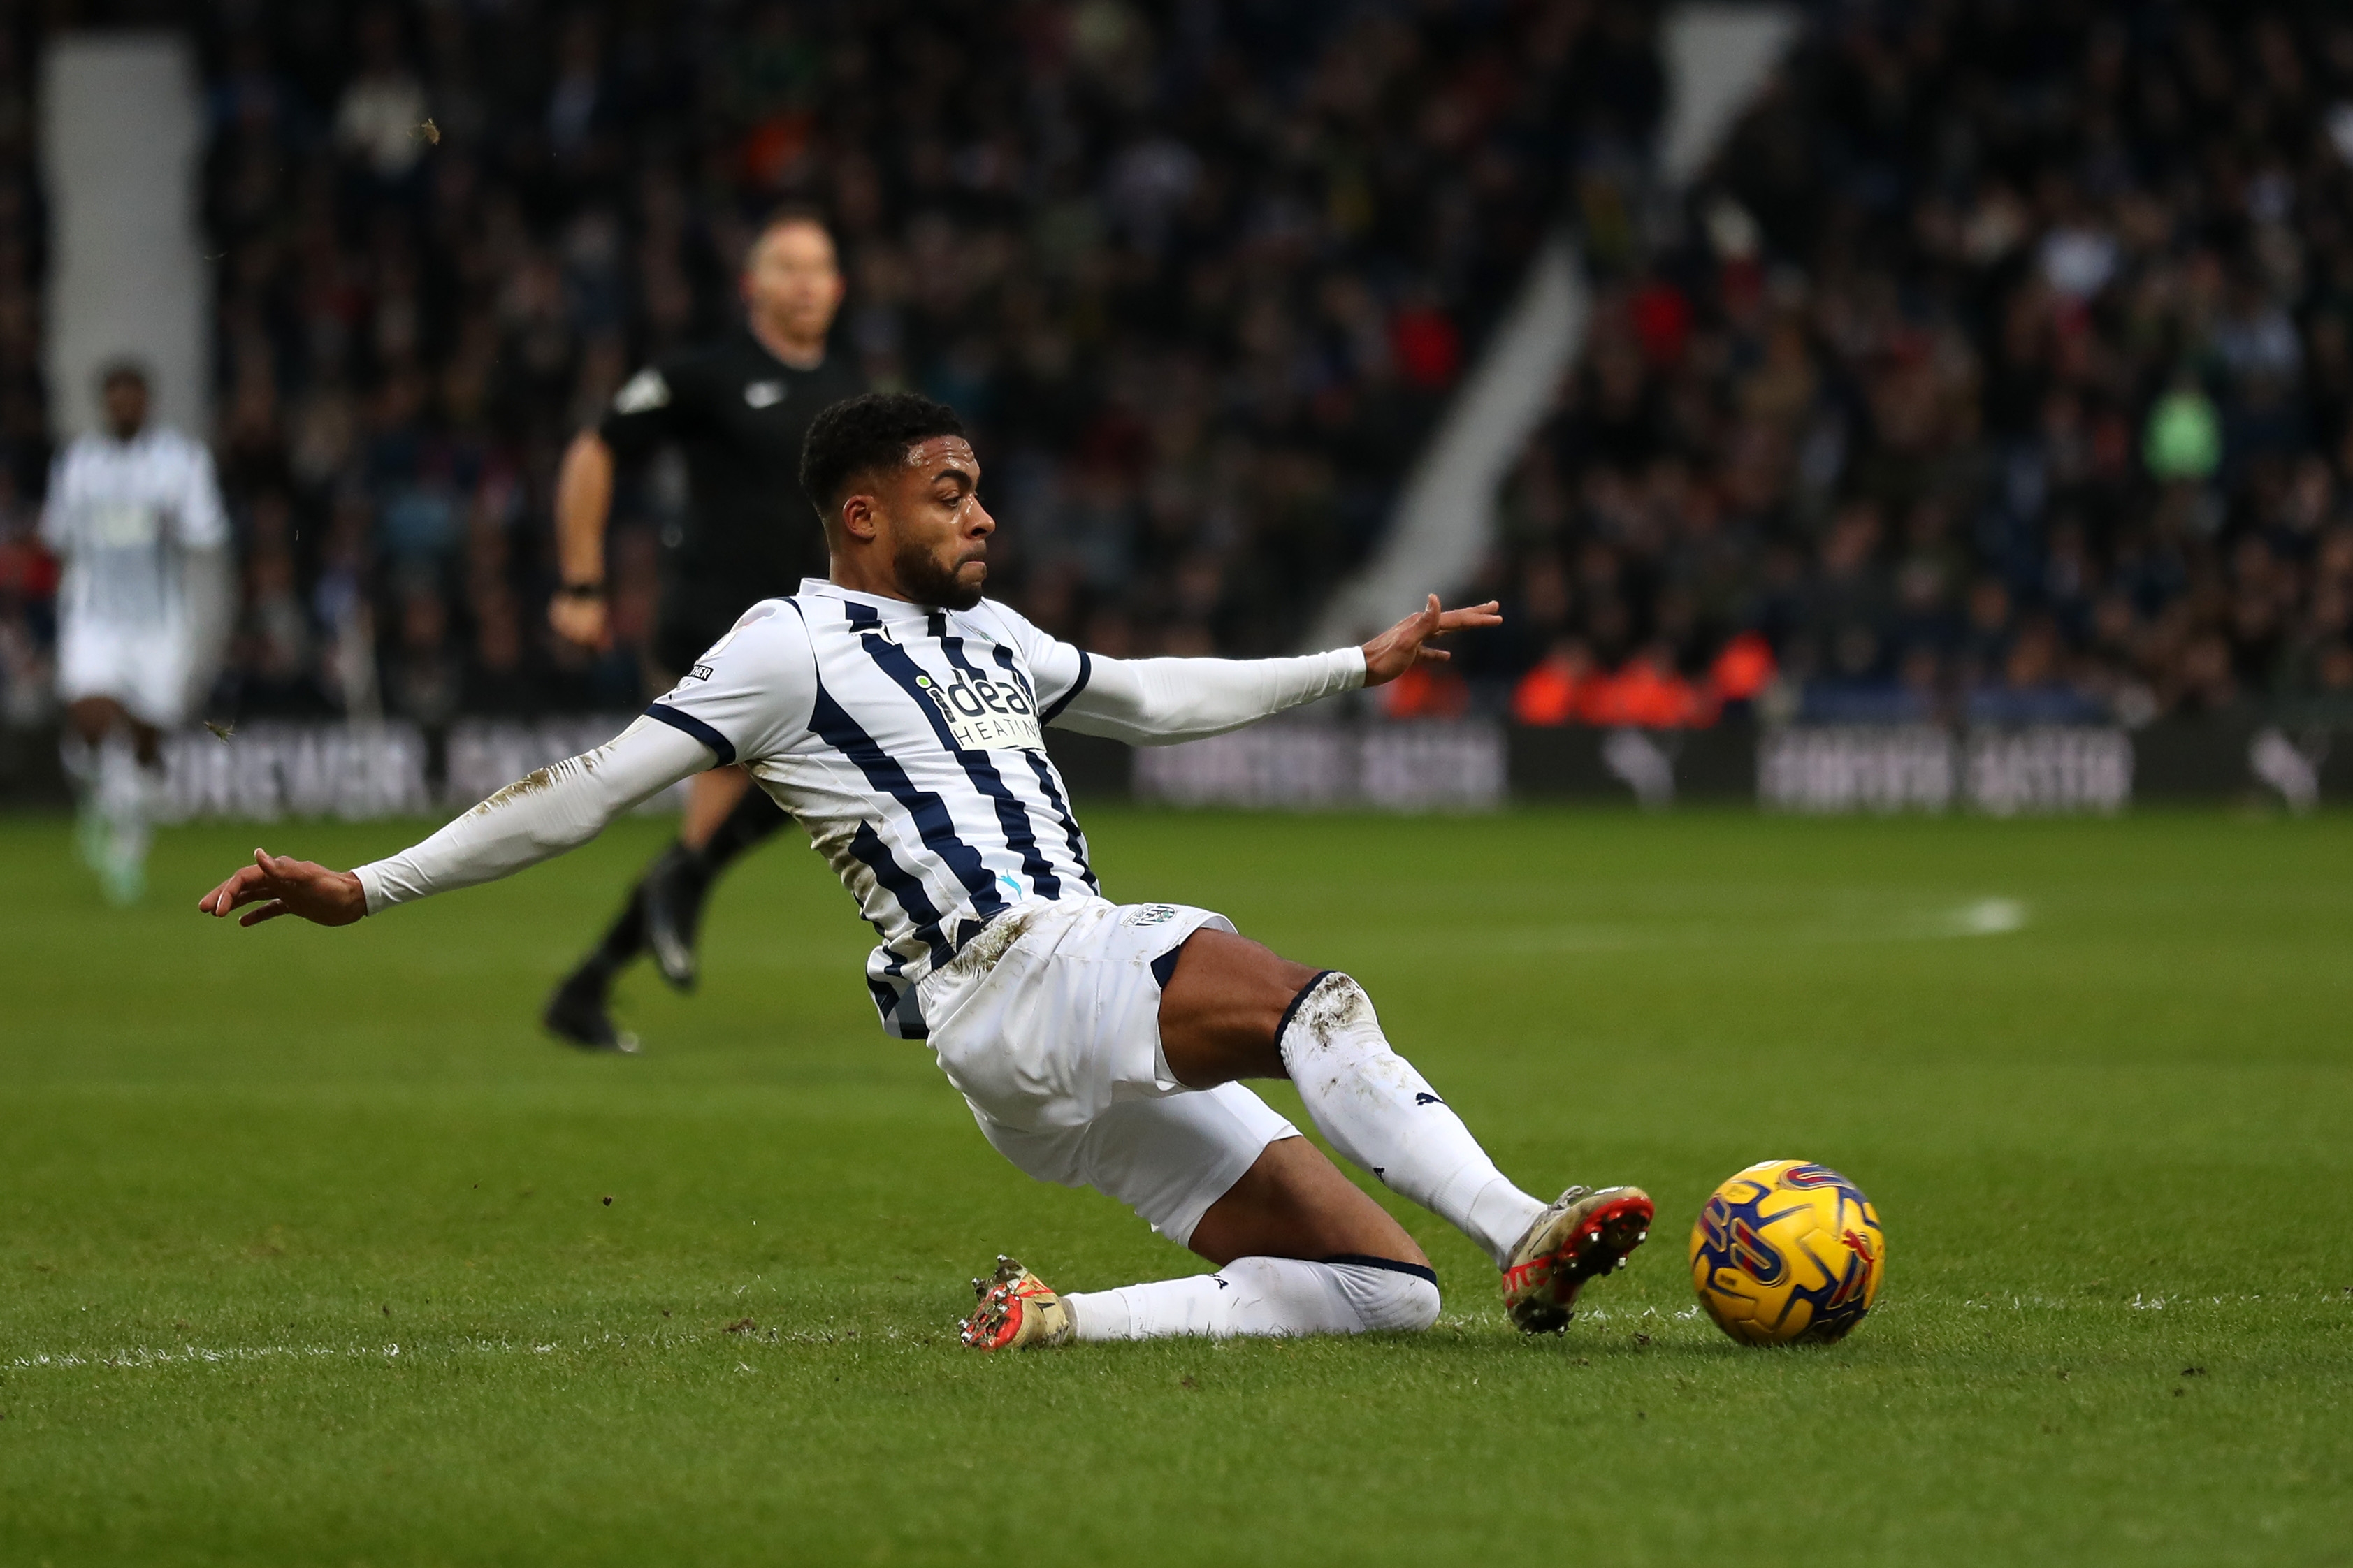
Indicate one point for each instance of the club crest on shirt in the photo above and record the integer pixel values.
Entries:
(982, 714)
(1149, 915)
(763, 393)
(124, 525)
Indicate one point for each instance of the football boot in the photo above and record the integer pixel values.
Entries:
(578, 1013)
(674, 889)
(1584, 1234)
(1018, 1310)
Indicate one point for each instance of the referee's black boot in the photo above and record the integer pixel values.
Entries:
(580, 1010)
(578, 1014)
(673, 892)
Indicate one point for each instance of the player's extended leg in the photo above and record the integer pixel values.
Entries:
(1303, 1250)
(1300, 1250)
(1295, 1203)
(1234, 1009)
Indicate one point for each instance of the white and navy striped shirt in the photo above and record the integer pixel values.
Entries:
(121, 514)
(909, 742)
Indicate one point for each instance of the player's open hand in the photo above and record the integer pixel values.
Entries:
(282, 886)
(1406, 644)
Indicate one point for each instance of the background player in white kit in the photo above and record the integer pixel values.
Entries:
(135, 514)
(897, 715)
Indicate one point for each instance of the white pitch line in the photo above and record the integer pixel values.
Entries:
(189, 1355)
(1989, 917)
(199, 1356)
(1977, 916)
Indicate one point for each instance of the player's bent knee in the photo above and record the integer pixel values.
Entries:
(1325, 1004)
(1409, 1306)
(1390, 1297)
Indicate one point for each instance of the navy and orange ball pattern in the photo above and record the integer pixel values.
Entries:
(1787, 1253)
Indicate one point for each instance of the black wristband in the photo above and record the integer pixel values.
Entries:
(582, 590)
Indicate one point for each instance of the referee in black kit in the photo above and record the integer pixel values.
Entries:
(737, 409)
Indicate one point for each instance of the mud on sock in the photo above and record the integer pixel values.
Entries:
(1382, 1114)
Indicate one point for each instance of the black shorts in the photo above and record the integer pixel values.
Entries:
(695, 614)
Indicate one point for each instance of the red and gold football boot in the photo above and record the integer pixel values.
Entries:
(1018, 1310)
(1584, 1234)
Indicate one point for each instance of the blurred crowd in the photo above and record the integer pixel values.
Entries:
(28, 577)
(2000, 368)
(1199, 271)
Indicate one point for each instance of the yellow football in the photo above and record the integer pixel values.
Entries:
(1787, 1253)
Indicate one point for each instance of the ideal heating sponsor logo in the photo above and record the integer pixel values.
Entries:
(984, 714)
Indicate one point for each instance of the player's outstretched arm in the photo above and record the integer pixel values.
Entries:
(529, 821)
(1157, 702)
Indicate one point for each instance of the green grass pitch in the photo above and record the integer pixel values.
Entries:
(307, 1255)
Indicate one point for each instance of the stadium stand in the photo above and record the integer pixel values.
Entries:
(1999, 371)
(1200, 299)
(28, 576)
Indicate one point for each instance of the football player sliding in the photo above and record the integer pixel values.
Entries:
(898, 714)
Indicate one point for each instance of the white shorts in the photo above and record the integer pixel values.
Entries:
(145, 669)
(1048, 1023)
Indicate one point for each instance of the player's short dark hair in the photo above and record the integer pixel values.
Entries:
(864, 435)
(116, 370)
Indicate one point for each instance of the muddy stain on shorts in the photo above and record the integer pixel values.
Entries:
(994, 940)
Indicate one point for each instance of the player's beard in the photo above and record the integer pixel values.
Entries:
(925, 582)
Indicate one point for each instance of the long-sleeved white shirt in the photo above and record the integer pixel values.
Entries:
(126, 517)
(907, 740)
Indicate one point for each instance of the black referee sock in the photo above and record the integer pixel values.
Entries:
(755, 819)
(624, 939)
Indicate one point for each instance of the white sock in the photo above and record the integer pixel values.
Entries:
(79, 760)
(1267, 1295)
(1381, 1113)
(124, 796)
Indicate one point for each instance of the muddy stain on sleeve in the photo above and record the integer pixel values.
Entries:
(537, 780)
